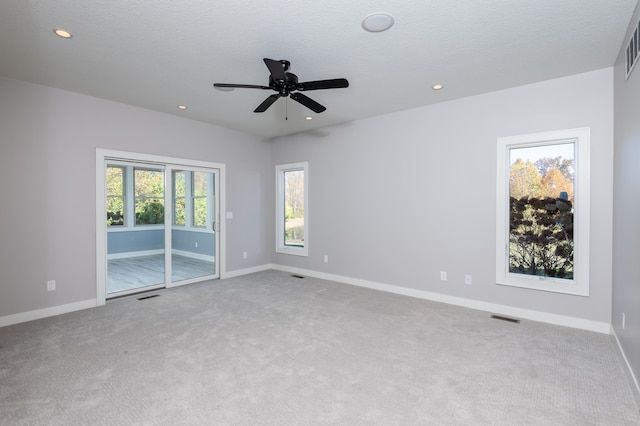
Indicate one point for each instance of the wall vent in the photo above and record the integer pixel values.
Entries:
(633, 50)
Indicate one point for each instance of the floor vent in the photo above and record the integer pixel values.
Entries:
(633, 50)
(501, 318)
(297, 276)
(148, 297)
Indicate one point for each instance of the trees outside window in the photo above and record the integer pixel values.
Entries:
(199, 199)
(541, 210)
(115, 195)
(542, 215)
(179, 197)
(149, 196)
(292, 209)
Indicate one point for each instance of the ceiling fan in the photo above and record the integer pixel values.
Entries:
(286, 84)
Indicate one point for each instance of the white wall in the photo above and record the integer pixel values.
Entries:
(626, 209)
(48, 139)
(395, 199)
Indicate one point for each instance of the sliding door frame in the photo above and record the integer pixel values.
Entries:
(104, 155)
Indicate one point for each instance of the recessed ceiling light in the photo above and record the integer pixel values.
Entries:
(377, 22)
(308, 117)
(62, 33)
(183, 107)
(437, 86)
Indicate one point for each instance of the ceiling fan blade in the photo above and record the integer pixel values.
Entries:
(336, 83)
(277, 68)
(266, 103)
(240, 86)
(308, 102)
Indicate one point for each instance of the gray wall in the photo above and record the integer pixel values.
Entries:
(153, 239)
(48, 141)
(626, 209)
(139, 240)
(397, 198)
(185, 240)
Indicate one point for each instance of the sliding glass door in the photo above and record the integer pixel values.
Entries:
(194, 220)
(135, 213)
(161, 225)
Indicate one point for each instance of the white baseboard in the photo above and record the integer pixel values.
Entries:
(184, 253)
(246, 271)
(193, 255)
(47, 312)
(134, 254)
(600, 327)
(634, 379)
(566, 321)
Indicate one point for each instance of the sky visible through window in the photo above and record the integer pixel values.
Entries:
(534, 153)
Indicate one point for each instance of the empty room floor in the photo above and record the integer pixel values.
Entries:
(272, 349)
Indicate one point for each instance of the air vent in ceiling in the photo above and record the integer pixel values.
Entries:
(633, 49)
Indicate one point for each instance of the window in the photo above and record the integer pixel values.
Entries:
(149, 196)
(115, 195)
(292, 183)
(199, 199)
(179, 197)
(542, 219)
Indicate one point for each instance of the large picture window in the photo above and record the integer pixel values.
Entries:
(292, 209)
(543, 211)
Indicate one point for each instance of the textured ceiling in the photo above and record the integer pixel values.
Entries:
(157, 54)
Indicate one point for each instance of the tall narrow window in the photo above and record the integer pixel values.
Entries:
(115, 195)
(543, 211)
(199, 199)
(149, 196)
(179, 197)
(292, 209)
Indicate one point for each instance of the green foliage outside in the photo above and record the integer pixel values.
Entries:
(179, 194)
(541, 237)
(115, 198)
(149, 196)
(294, 207)
(541, 220)
(149, 212)
(115, 211)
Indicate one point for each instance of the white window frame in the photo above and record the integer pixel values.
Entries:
(579, 285)
(280, 209)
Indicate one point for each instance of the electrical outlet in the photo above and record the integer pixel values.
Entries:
(467, 279)
(624, 320)
(326, 258)
(443, 275)
(51, 285)
(244, 254)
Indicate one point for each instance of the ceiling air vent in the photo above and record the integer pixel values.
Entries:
(633, 49)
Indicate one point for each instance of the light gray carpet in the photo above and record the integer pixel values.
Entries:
(269, 349)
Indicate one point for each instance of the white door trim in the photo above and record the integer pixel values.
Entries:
(101, 235)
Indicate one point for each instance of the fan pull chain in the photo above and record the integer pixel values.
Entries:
(286, 108)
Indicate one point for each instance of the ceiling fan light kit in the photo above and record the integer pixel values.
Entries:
(286, 85)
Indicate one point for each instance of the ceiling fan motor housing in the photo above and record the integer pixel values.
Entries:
(286, 86)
